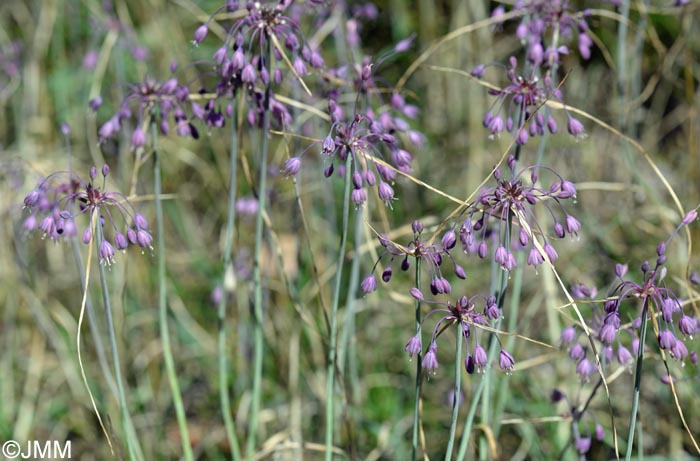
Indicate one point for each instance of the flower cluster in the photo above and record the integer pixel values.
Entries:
(468, 319)
(63, 196)
(545, 24)
(653, 295)
(513, 200)
(241, 60)
(374, 144)
(432, 256)
(162, 100)
(517, 106)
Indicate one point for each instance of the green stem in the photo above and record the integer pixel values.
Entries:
(330, 373)
(221, 308)
(346, 347)
(126, 418)
(455, 400)
(419, 371)
(163, 302)
(502, 394)
(637, 380)
(257, 279)
(466, 431)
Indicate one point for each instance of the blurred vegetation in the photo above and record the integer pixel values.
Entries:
(624, 208)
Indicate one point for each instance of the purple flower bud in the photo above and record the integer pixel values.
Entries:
(200, 34)
(87, 236)
(577, 352)
(386, 193)
(679, 350)
(120, 241)
(403, 45)
(608, 333)
(316, 60)
(691, 216)
(534, 258)
(552, 125)
(300, 67)
(688, 326)
(482, 250)
(623, 355)
(95, 103)
(413, 346)
(144, 239)
(506, 361)
(358, 196)
(459, 272)
(522, 137)
(140, 222)
(430, 362)
(478, 71)
(106, 253)
(583, 444)
(584, 369)
(328, 145)
(369, 284)
(551, 252)
(621, 270)
(559, 230)
(557, 395)
(248, 74)
(138, 138)
(480, 358)
(575, 128)
(417, 227)
(386, 275)
(666, 339)
(417, 294)
(292, 166)
(573, 226)
(449, 240)
(568, 334)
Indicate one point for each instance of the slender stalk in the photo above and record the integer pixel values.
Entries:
(126, 418)
(257, 280)
(330, 373)
(221, 308)
(637, 380)
(163, 303)
(476, 398)
(346, 346)
(419, 372)
(455, 400)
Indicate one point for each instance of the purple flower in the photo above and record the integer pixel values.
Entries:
(413, 346)
(688, 326)
(583, 445)
(624, 356)
(480, 358)
(575, 128)
(369, 284)
(430, 362)
(292, 166)
(568, 334)
(584, 369)
(200, 34)
(506, 361)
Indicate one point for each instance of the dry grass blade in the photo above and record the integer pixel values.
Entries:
(77, 340)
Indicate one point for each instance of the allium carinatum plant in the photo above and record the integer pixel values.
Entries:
(340, 198)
